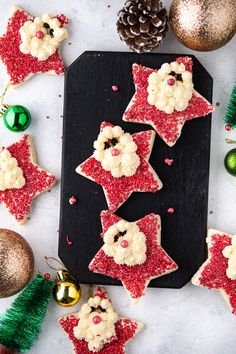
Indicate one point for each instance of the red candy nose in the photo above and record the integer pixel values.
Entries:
(171, 82)
(40, 34)
(124, 243)
(96, 319)
(115, 152)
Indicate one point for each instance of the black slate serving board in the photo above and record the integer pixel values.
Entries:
(89, 100)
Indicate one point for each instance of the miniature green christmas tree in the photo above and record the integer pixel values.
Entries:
(230, 117)
(20, 325)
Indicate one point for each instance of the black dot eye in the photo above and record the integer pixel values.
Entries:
(98, 309)
(51, 32)
(46, 25)
(120, 234)
(93, 309)
(179, 77)
(107, 146)
(172, 73)
(114, 141)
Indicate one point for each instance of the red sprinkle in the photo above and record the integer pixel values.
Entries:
(96, 319)
(69, 241)
(47, 276)
(124, 243)
(228, 127)
(170, 210)
(115, 88)
(72, 200)
(168, 162)
(115, 152)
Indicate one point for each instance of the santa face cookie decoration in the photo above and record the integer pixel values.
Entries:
(97, 328)
(132, 252)
(219, 270)
(30, 45)
(21, 179)
(120, 164)
(166, 99)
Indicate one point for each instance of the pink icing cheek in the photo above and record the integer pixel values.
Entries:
(96, 320)
(124, 243)
(40, 34)
(115, 152)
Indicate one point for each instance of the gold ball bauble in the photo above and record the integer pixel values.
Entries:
(16, 263)
(203, 25)
(66, 291)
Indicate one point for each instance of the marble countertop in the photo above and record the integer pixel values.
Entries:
(190, 320)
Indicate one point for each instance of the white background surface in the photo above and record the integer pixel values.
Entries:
(191, 320)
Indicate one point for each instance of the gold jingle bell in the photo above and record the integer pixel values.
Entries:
(66, 291)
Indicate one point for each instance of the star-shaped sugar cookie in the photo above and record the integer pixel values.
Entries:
(21, 179)
(120, 164)
(219, 270)
(167, 125)
(126, 257)
(30, 45)
(97, 328)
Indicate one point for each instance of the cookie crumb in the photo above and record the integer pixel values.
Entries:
(217, 104)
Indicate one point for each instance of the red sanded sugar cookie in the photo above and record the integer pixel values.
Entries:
(97, 328)
(120, 164)
(132, 252)
(30, 45)
(167, 125)
(219, 270)
(21, 178)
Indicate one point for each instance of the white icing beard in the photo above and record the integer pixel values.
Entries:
(114, 139)
(132, 238)
(230, 253)
(96, 334)
(166, 97)
(42, 48)
(11, 176)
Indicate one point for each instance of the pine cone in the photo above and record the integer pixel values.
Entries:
(142, 24)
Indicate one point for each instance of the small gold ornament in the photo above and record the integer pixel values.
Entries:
(203, 25)
(66, 291)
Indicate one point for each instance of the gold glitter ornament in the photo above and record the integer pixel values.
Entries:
(203, 25)
(16, 263)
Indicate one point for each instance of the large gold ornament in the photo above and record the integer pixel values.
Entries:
(203, 25)
(66, 290)
(16, 262)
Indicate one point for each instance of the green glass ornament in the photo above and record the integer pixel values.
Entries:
(16, 118)
(230, 162)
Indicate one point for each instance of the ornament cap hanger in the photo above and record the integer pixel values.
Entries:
(62, 268)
